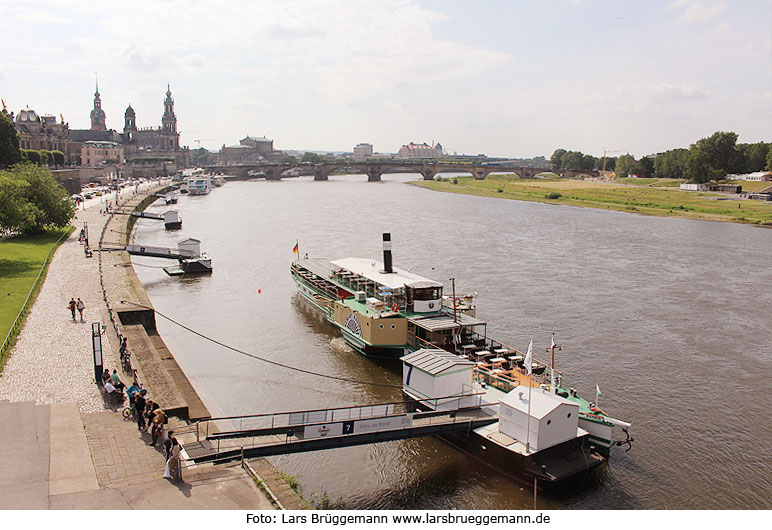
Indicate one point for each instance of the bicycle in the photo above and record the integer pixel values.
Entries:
(129, 413)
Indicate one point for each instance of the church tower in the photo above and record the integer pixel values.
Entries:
(130, 125)
(169, 120)
(98, 115)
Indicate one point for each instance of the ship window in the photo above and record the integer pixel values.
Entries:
(381, 326)
(550, 421)
(569, 415)
(393, 326)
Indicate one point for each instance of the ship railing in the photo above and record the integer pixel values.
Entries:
(319, 284)
(491, 345)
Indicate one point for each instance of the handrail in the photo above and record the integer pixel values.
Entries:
(25, 305)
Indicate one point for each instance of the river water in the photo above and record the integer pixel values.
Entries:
(670, 317)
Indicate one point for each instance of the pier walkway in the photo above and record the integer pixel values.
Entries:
(314, 430)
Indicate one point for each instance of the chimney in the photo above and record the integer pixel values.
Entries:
(387, 253)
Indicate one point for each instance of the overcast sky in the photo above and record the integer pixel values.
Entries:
(505, 78)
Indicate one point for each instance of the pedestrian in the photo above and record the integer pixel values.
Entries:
(139, 406)
(81, 306)
(72, 306)
(168, 444)
(159, 419)
(173, 469)
(105, 376)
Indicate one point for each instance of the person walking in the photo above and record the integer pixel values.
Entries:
(173, 470)
(139, 406)
(81, 306)
(72, 306)
(159, 419)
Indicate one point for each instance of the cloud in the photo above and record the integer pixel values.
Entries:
(281, 31)
(694, 11)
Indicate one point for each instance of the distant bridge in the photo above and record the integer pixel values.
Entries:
(374, 170)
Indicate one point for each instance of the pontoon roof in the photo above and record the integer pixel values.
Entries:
(434, 361)
(444, 321)
(372, 271)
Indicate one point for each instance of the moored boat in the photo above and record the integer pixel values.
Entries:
(386, 311)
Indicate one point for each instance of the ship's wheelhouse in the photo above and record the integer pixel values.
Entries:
(424, 297)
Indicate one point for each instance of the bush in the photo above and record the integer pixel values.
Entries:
(455, 180)
(46, 158)
(553, 195)
(500, 190)
(31, 199)
(58, 158)
(33, 156)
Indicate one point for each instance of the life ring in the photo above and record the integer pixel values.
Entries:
(395, 307)
(457, 303)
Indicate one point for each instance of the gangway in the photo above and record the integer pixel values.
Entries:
(235, 437)
(161, 252)
(171, 218)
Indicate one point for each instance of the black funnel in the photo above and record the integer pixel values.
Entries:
(387, 253)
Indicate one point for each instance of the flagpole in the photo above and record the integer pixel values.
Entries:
(529, 367)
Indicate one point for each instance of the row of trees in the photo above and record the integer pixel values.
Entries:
(710, 158)
(31, 199)
(42, 157)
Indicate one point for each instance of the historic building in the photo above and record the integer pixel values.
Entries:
(413, 151)
(41, 132)
(154, 144)
(249, 151)
(96, 153)
(97, 114)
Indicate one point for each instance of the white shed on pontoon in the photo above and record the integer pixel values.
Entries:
(553, 419)
(431, 374)
(190, 245)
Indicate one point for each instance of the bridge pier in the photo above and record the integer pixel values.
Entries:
(428, 173)
(480, 172)
(321, 172)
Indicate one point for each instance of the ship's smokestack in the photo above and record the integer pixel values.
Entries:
(387, 253)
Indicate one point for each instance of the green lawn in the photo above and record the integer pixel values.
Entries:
(654, 199)
(20, 262)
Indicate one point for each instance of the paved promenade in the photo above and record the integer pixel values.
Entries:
(68, 447)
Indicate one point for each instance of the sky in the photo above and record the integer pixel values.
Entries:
(506, 78)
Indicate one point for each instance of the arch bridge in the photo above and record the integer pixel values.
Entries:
(374, 170)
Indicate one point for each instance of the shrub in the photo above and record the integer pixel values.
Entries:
(500, 190)
(46, 158)
(455, 180)
(33, 156)
(553, 195)
(58, 157)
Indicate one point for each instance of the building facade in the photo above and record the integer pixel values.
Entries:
(249, 150)
(413, 151)
(362, 152)
(96, 153)
(41, 132)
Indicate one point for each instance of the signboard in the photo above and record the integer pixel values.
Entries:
(323, 431)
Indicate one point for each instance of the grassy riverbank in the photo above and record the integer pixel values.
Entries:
(21, 259)
(659, 197)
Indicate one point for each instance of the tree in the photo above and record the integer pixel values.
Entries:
(769, 159)
(312, 157)
(625, 166)
(287, 158)
(9, 142)
(645, 167)
(720, 151)
(757, 156)
(557, 158)
(697, 168)
(671, 164)
(572, 160)
(46, 158)
(33, 156)
(202, 156)
(589, 162)
(31, 199)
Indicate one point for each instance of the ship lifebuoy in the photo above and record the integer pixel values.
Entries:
(395, 307)
(457, 303)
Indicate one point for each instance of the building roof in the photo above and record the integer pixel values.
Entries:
(256, 139)
(107, 145)
(542, 401)
(85, 135)
(435, 361)
(372, 271)
(27, 115)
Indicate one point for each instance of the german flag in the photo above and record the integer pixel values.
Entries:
(295, 248)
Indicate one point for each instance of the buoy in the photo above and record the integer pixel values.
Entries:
(259, 291)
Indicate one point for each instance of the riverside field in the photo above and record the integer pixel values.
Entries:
(660, 197)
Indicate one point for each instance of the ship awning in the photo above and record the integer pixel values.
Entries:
(444, 322)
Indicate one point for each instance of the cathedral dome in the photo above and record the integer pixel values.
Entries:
(130, 112)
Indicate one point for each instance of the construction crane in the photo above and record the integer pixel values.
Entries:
(202, 140)
(610, 151)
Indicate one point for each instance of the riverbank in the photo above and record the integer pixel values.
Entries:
(659, 201)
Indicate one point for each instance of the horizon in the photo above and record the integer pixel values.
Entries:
(508, 79)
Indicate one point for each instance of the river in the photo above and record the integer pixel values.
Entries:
(670, 317)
